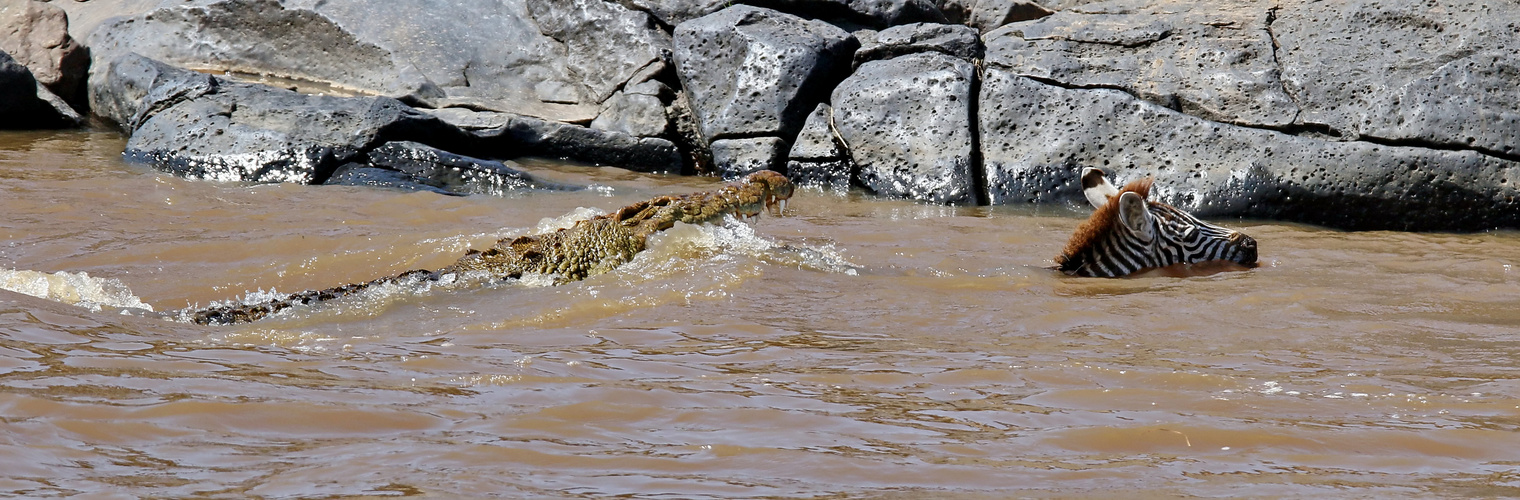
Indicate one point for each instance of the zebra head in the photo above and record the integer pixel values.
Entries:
(1128, 233)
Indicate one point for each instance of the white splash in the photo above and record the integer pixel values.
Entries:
(72, 288)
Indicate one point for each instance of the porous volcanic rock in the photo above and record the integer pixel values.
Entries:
(1036, 138)
(1211, 59)
(908, 122)
(817, 157)
(739, 157)
(750, 71)
(1442, 74)
(953, 39)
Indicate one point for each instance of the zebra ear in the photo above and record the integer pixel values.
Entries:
(1135, 215)
(1096, 188)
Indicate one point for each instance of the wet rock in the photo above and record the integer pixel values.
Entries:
(203, 128)
(27, 104)
(817, 157)
(988, 15)
(740, 157)
(359, 174)
(1435, 73)
(639, 115)
(1036, 138)
(36, 35)
(907, 122)
(750, 71)
(421, 164)
(953, 39)
(1209, 59)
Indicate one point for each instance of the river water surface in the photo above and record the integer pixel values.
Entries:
(854, 347)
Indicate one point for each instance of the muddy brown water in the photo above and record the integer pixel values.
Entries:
(854, 347)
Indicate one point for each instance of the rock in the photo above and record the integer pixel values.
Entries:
(907, 122)
(36, 35)
(359, 174)
(817, 158)
(870, 13)
(1438, 73)
(1036, 138)
(449, 172)
(499, 55)
(1209, 59)
(527, 136)
(605, 43)
(27, 104)
(817, 140)
(750, 71)
(953, 39)
(638, 115)
(988, 15)
(209, 129)
(739, 157)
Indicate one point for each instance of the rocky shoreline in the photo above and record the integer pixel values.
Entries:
(1356, 115)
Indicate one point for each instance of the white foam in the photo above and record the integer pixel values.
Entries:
(72, 288)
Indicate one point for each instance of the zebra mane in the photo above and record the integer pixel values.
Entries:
(1102, 221)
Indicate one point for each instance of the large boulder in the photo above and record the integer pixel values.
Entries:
(26, 104)
(1364, 116)
(1405, 71)
(1210, 59)
(908, 122)
(750, 71)
(256, 133)
(549, 59)
(1036, 138)
(36, 35)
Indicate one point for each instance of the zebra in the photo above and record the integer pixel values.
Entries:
(1128, 233)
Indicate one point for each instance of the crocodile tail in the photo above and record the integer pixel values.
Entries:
(246, 313)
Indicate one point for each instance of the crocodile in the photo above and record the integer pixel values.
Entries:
(588, 248)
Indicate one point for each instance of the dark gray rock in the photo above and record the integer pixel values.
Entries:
(527, 136)
(208, 129)
(1436, 73)
(1037, 137)
(750, 71)
(738, 157)
(953, 39)
(359, 174)
(26, 103)
(869, 13)
(1208, 59)
(833, 175)
(907, 122)
(36, 34)
(817, 140)
(817, 158)
(422, 164)
(988, 15)
(638, 115)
